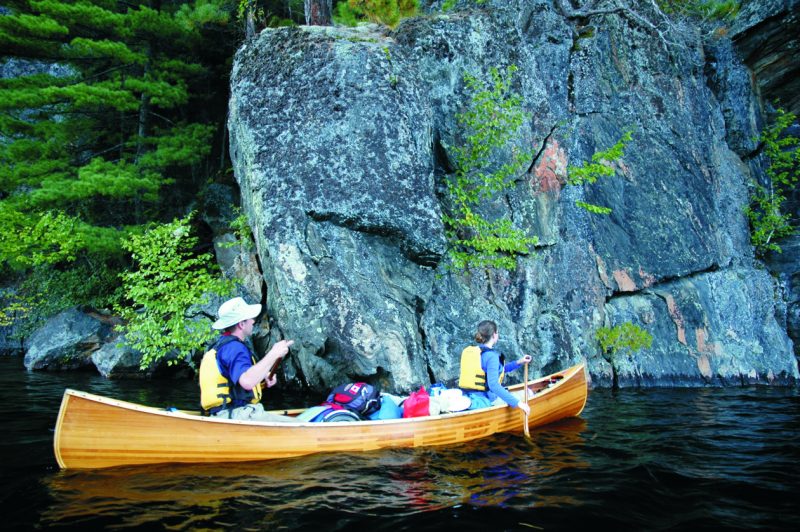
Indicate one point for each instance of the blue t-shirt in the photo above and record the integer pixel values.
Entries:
(233, 359)
(490, 363)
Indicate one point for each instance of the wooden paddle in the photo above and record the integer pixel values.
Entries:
(271, 373)
(525, 416)
(274, 368)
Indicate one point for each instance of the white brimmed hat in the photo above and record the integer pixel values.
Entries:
(233, 311)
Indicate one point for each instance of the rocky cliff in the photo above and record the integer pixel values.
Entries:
(767, 37)
(341, 140)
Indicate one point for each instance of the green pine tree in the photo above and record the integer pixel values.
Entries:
(108, 126)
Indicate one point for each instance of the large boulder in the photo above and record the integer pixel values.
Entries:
(342, 144)
(67, 341)
(117, 359)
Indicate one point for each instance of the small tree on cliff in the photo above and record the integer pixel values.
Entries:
(602, 165)
(769, 219)
(490, 123)
(621, 340)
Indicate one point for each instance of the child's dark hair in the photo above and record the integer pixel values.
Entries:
(486, 330)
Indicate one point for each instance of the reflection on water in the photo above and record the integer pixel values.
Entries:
(696, 459)
(398, 482)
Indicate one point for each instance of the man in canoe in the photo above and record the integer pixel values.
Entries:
(230, 377)
(483, 370)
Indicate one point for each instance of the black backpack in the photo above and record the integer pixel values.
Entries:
(359, 397)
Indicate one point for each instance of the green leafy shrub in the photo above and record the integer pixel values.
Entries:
(768, 219)
(625, 338)
(167, 281)
(46, 291)
(11, 307)
(601, 166)
(492, 120)
(241, 230)
(705, 9)
(32, 240)
(388, 12)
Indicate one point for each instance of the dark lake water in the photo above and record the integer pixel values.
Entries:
(677, 459)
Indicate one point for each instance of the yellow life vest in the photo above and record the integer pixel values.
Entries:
(216, 390)
(472, 376)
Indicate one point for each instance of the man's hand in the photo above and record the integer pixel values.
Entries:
(280, 349)
(524, 360)
(275, 355)
(522, 405)
(261, 371)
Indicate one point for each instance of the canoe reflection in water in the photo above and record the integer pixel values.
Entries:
(292, 492)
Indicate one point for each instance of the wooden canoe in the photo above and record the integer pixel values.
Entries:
(94, 431)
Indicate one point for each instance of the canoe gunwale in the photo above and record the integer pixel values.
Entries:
(195, 416)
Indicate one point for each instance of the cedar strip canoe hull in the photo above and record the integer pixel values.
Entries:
(94, 431)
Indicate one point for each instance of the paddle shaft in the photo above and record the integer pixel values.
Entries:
(275, 365)
(525, 420)
(273, 369)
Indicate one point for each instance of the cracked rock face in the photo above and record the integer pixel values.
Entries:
(342, 138)
(767, 35)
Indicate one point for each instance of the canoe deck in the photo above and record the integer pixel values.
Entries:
(94, 431)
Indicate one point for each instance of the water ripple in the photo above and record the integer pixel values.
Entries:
(696, 459)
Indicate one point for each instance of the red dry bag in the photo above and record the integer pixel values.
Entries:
(417, 404)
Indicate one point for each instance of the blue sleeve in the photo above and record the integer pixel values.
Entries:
(234, 360)
(493, 375)
(511, 366)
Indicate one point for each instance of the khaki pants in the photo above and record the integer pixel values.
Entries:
(254, 412)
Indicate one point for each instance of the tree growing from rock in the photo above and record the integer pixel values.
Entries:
(769, 219)
(600, 166)
(621, 340)
(490, 124)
